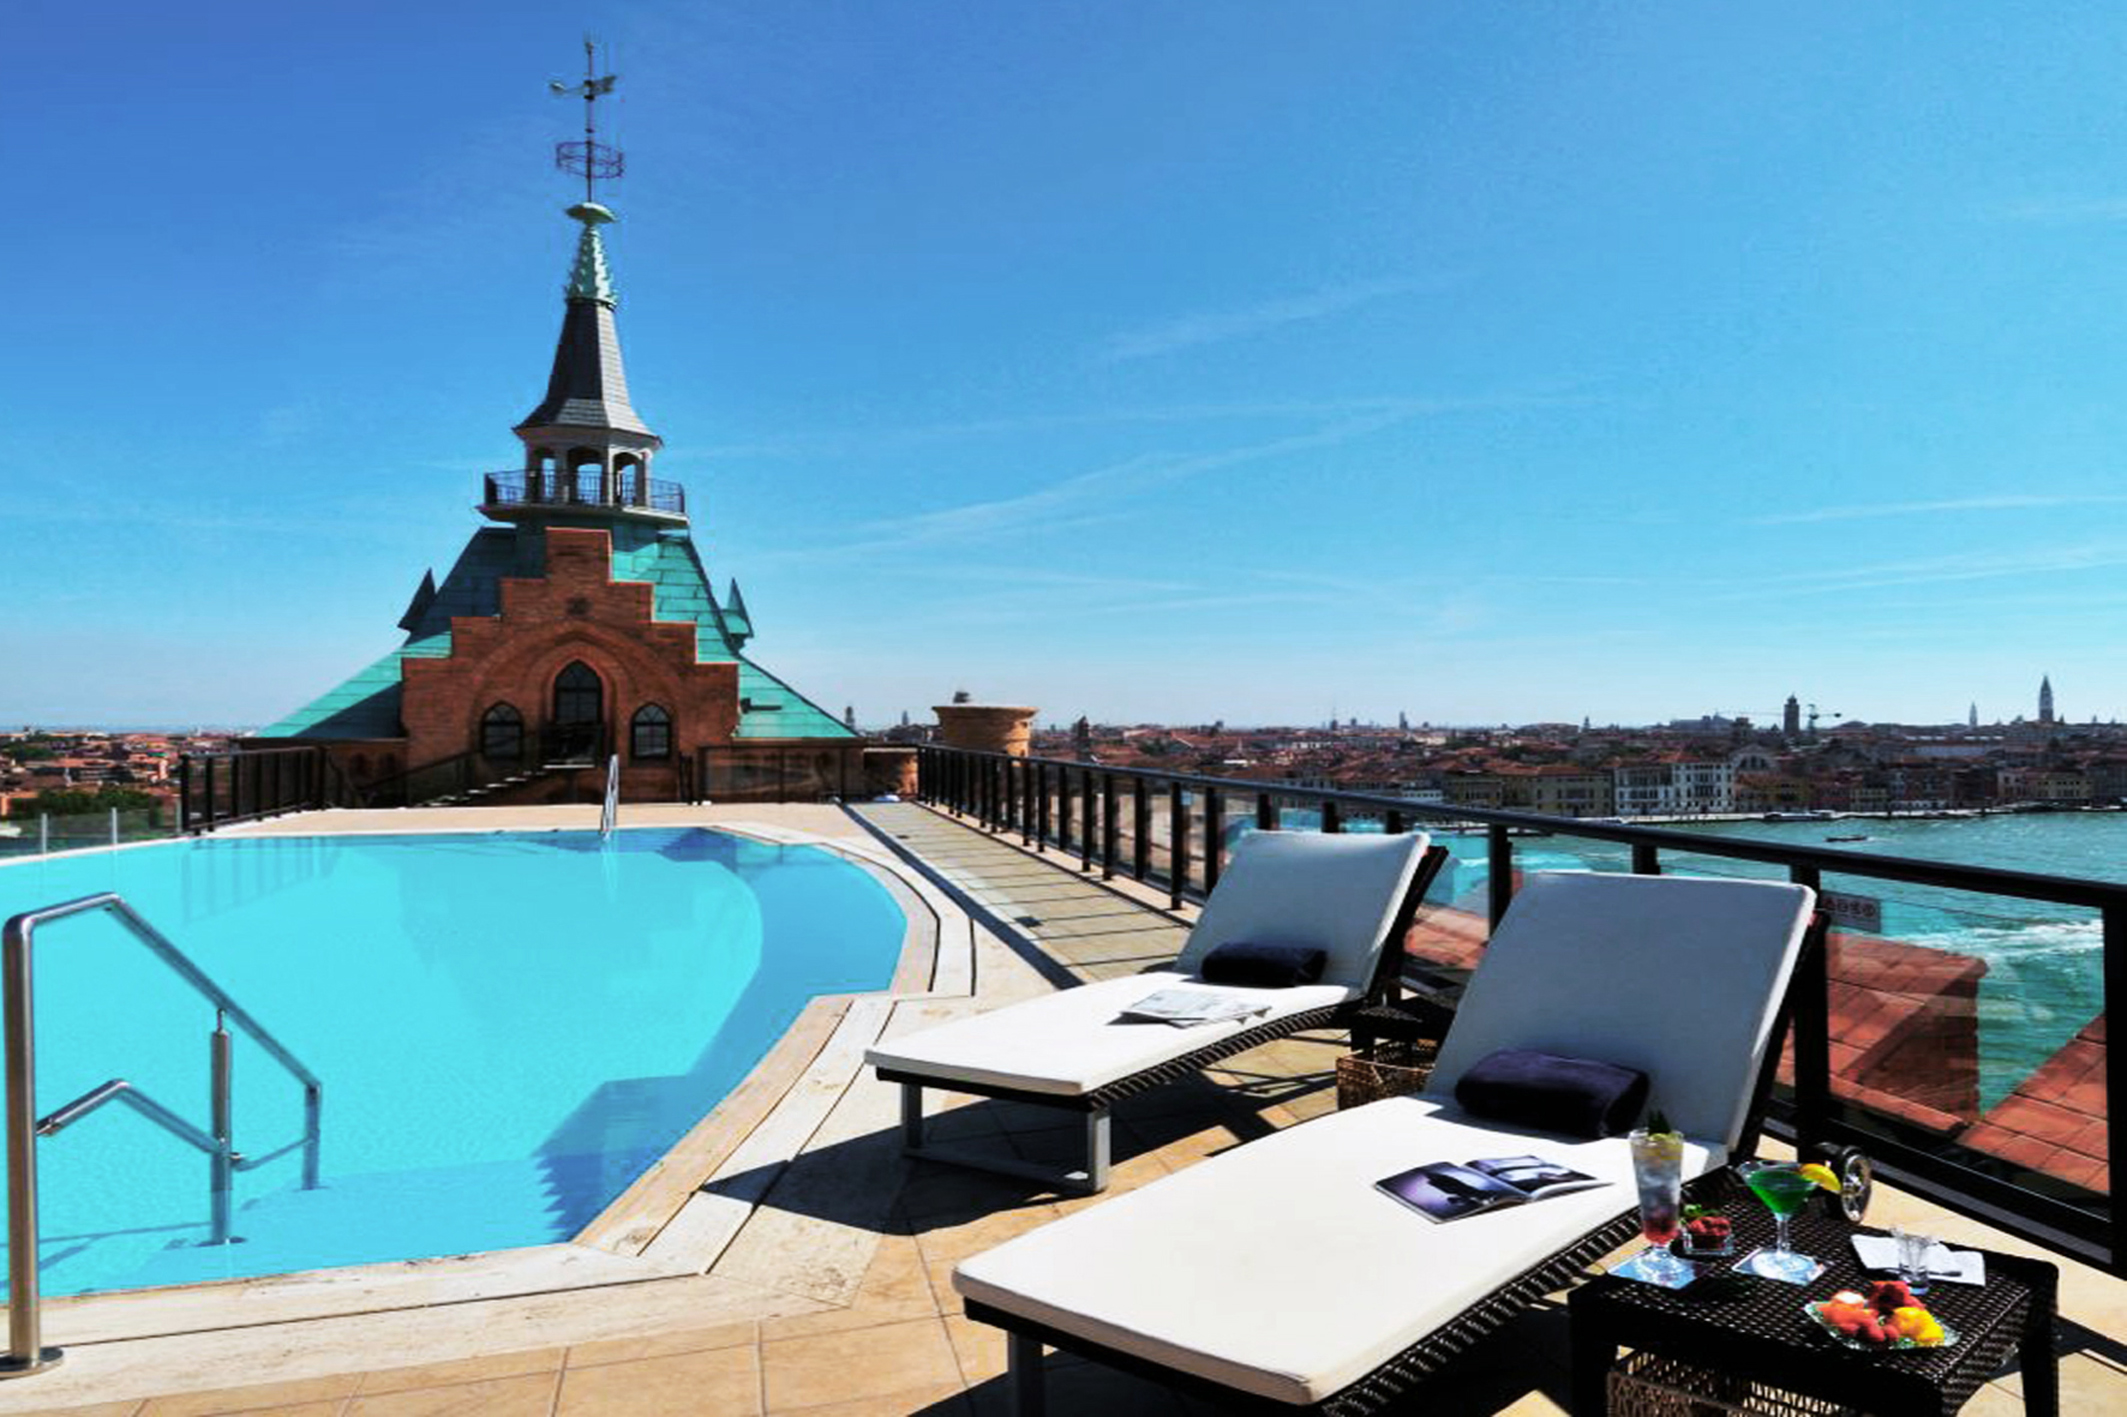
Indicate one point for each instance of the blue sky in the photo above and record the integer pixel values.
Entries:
(1144, 360)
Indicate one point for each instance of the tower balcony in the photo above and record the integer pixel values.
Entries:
(516, 494)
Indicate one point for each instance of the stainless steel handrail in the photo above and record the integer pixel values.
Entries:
(26, 1352)
(609, 814)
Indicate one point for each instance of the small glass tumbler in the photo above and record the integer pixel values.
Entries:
(1912, 1257)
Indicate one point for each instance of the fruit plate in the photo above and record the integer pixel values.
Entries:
(1816, 1312)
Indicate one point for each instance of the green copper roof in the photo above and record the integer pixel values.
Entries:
(367, 704)
(588, 278)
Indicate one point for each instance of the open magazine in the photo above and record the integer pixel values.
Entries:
(1186, 1008)
(1448, 1190)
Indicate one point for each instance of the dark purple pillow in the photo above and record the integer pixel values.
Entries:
(1257, 966)
(1579, 1097)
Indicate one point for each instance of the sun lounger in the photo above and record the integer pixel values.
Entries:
(1352, 895)
(1275, 1277)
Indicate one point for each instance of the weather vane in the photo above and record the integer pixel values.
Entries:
(590, 159)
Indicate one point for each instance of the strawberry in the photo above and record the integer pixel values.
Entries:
(1888, 1294)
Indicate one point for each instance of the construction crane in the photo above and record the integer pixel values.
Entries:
(1814, 715)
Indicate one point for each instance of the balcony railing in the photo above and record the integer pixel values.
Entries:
(583, 488)
(219, 789)
(1956, 1033)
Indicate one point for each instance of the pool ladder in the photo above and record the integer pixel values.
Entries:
(26, 1352)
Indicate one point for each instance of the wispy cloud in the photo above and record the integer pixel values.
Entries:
(2065, 211)
(2005, 502)
(1217, 326)
(1937, 570)
(873, 440)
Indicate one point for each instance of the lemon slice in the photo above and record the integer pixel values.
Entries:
(1821, 1174)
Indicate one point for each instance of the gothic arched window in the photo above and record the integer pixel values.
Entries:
(650, 733)
(502, 733)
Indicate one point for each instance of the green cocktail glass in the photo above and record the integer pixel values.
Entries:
(1784, 1190)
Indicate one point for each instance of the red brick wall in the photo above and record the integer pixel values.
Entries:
(575, 612)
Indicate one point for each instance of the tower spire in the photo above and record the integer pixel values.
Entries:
(585, 445)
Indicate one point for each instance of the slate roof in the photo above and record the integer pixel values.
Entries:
(366, 705)
(588, 387)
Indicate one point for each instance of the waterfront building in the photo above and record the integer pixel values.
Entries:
(580, 625)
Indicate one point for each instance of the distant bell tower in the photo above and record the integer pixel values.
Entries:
(1972, 719)
(1791, 717)
(2045, 700)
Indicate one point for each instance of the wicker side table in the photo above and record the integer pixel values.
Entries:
(1761, 1354)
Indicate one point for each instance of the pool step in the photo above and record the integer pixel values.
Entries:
(388, 1215)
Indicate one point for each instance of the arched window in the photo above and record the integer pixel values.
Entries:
(578, 696)
(650, 733)
(502, 734)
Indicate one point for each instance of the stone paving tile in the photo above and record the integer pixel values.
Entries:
(719, 1380)
(527, 1395)
(500, 1365)
(251, 1399)
(660, 1345)
(814, 1371)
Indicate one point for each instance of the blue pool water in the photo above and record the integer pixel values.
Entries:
(509, 1027)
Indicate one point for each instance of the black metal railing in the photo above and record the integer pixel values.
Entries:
(1173, 830)
(218, 789)
(583, 488)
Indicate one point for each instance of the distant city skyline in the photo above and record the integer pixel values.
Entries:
(1153, 363)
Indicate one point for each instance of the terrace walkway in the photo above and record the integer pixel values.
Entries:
(900, 1344)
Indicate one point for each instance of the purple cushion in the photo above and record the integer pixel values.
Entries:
(1580, 1097)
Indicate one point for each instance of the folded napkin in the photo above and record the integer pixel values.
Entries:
(1582, 1097)
(1257, 966)
(1880, 1252)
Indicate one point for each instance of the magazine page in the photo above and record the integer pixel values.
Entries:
(1536, 1176)
(1442, 1190)
(1189, 1006)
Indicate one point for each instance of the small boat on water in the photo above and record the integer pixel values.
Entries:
(1847, 838)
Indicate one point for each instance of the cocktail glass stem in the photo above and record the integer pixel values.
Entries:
(1780, 1239)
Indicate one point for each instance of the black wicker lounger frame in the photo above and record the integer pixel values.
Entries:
(1403, 1374)
(1096, 1105)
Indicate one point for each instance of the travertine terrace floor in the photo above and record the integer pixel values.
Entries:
(763, 1341)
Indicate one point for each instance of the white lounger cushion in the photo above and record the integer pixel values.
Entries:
(1072, 1042)
(1334, 891)
(1677, 976)
(1278, 1269)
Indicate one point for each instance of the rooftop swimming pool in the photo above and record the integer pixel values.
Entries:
(509, 1027)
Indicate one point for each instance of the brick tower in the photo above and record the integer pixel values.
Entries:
(579, 625)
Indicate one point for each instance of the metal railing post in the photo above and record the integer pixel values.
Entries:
(1499, 870)
(1063, 809)
(2114, 984)
(1214, 829)
(1140, 829)
(1332, 815)
(1041, 807)
(1110, 829)
(44, 833)
(1646, 859)
(26, 1352)
(1177, 846)
(207, 798)
(1089, 823)
(184, 794)
(221, 1166)
(1266, 812)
